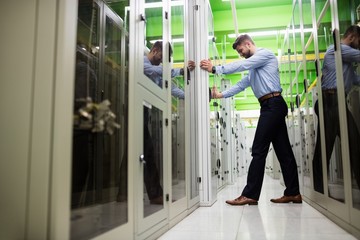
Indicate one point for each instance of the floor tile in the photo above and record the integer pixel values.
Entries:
(266, 220)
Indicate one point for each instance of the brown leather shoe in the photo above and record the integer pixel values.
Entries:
(242, 200)
(288, 199)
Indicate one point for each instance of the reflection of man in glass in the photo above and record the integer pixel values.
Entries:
(350, 54)
(153, 69)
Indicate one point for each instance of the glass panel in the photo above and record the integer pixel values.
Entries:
(331, 116)
(324, 33)
(218, 160)
(177, 106)
(99, 147)
(348, 17)
(153, 53)
(194, 162)
(297, 86)
(120, 100)
(311, 93)
(153, 156)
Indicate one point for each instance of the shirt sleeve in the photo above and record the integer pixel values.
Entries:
(238, 87)
(260, 58)
(350, 54)
(177, 92)
(175, 72)
(152, 71)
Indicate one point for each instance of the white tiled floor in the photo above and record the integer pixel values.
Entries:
(267, 220)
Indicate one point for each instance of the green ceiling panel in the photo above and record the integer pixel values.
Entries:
(219, 5)
(250, 19)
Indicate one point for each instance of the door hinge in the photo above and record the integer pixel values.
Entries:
(166, 83)
(167, 197)
(334, 38)
(316, 67)
(305, 85)
(166, 122)
(199, 179)
(196, 7)
(297, 98)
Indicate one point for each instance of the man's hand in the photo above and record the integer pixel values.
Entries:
(191, 65)
(206, 65)
(215, 93)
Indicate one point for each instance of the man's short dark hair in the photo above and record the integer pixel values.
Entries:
(157, 45)
(242, 38)
(353, 29)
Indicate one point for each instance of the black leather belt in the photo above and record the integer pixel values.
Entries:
(270, 95)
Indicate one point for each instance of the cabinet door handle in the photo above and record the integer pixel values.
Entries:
(142, 159)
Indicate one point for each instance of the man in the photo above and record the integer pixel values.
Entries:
(264, 80)
(350, 54)
(153, 69)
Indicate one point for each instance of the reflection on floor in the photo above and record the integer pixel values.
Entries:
(92, 221)
(178, 193)
(336, 191)
(356, 197)
(265, 221)
(151, 208)
(178, 190)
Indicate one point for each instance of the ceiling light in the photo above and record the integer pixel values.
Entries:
(160, 4)
(176, 40)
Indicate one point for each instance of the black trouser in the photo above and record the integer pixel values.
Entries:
(354, 146)
(151, 172)
(332, 130)
(272, 129)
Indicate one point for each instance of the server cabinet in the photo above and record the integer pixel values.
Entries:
(329, 136)
(99, 189)
(226, 128)
(151, 119)
(180, 110)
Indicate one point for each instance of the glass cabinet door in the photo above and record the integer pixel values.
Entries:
(151, 166)
(99, 196)
(297, 88)
(193, 53)
(154, 48)
(311, 66)
(177, 103)
(151, 118)
(348, 17)
(333, 155)
(153, 157)
(327, 93)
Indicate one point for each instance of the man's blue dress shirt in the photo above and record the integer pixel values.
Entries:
(349, 56)
(263, 76)
(154, 72)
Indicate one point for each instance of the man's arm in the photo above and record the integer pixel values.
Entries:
(180, 71)
(177, 92)
(235, 89)
(260, 58)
